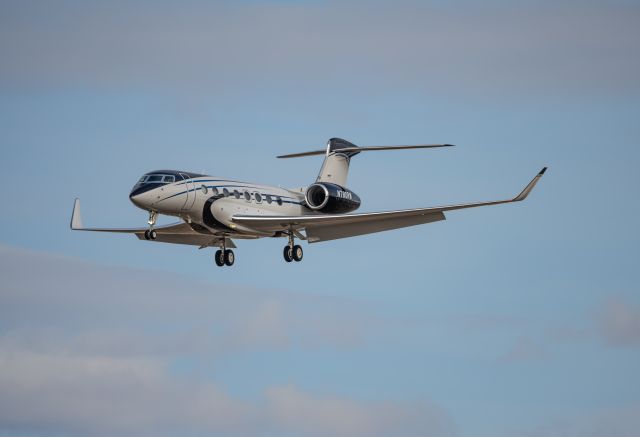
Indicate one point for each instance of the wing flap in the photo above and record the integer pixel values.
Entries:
(318, 233)
(177, 235)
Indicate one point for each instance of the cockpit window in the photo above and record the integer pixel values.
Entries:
(165, 177)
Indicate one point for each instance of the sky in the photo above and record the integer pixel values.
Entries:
(514, 320)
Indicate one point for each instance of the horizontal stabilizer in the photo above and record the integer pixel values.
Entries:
(357, 149)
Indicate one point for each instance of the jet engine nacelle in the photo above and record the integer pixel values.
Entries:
(331, 198)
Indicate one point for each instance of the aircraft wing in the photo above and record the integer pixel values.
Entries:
(176, 233)
(324, 227)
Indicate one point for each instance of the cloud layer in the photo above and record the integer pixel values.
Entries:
(619, 322)
(92, 351)
(223, 47)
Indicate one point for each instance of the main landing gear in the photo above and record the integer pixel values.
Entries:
(292, 251)
(224, 256)
(151, 234)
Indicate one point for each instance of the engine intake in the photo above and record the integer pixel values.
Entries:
(331, 198)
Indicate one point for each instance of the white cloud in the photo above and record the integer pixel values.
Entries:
(619, 322)
(329, 415)
(604, 422)
(524, 349)
(112, 304)
(92, 351)
(102, 395)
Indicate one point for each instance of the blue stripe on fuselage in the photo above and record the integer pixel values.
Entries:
(229, 186)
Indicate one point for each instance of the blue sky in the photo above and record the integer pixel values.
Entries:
(515, 320)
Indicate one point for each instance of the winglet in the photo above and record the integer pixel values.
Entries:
(523, 195)
(76, 220)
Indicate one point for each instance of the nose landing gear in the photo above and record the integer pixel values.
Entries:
(151, 234)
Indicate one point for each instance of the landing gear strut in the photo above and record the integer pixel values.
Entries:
(151, 234)
(224, 256)
(292, 251)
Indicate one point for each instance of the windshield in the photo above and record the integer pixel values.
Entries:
(156, 178)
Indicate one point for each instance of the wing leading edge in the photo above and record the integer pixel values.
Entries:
(334, 226)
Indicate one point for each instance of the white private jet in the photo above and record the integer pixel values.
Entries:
(214, 211)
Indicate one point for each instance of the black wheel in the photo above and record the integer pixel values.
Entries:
(229, 257)
(297, 253)
(146, 235)
(153, 234)
(219, 257)
(288, 254)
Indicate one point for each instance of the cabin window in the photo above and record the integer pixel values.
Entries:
(214, 191)
(247, 196)
(225, 192)
(268, 198)
(169, 179)
(204, 189)
(279, 200)
(236, 193)
(258, 197)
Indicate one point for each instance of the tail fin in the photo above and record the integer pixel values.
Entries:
(338, 154)
(335, 167)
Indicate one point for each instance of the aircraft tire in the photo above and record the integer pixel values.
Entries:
(288, 254)
(146, 235)
(153, 234)
(229, 257)
(297, 253)
(219, 258)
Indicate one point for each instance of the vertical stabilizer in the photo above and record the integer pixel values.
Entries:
(335, 167)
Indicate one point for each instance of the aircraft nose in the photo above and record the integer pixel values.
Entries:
(138, 196)
(134, 199)
(144, 195)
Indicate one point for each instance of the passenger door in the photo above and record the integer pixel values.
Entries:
(190, 192)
